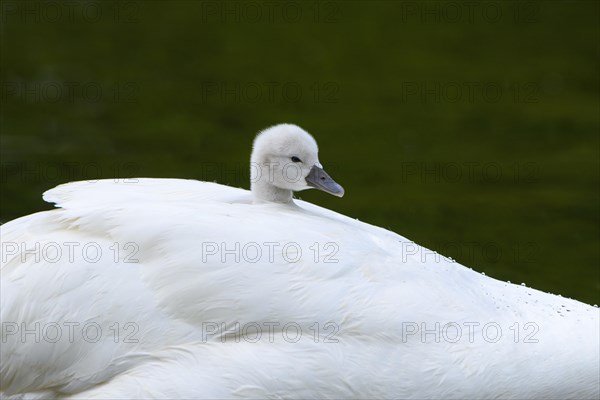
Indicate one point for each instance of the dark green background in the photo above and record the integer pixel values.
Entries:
(472, 130)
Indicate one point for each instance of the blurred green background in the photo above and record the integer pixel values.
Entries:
(470, 128)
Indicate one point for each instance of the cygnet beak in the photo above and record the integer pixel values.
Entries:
(319, 179)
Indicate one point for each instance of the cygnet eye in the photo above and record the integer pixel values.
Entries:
(296, 159)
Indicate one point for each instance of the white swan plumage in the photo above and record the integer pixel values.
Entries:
(170, 288)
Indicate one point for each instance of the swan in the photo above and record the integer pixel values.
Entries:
(170, 288)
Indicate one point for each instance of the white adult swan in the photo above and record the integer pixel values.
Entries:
(186, 289)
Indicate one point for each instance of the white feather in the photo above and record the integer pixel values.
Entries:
(167, 307)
